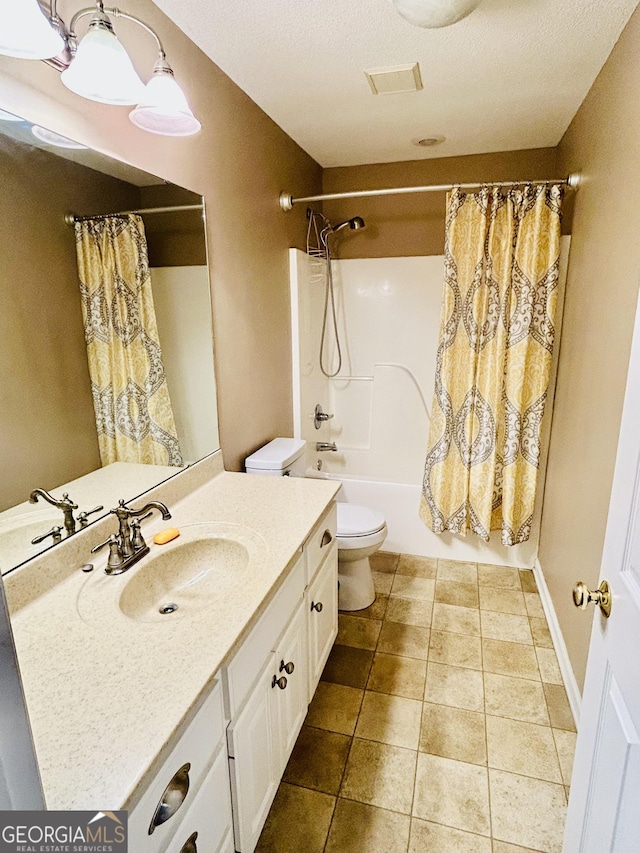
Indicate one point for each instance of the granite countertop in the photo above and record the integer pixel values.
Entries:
(107, 695)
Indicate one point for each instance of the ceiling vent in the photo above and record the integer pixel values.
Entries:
(395, 79)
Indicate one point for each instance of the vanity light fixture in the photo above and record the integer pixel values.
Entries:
(433, 14)
(26, 32)
(100, 68)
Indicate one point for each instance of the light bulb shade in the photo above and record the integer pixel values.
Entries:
(26, 33)
(433, 14)
(163, 108)
(101, 69)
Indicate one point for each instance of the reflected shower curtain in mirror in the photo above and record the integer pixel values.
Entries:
(494, 360)
(133, 411)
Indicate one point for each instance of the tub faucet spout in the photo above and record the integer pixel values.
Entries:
(325, 445)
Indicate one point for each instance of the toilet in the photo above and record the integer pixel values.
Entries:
(360, 533)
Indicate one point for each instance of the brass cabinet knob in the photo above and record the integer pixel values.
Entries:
(583, 597)
(287, 667)
(317, 606)
(280, 682)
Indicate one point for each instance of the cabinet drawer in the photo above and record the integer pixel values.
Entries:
(319, 541)
(207, 824)
(250, 659)
(196, 747)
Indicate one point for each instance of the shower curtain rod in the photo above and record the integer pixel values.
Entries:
(287, 201)
(72, 218)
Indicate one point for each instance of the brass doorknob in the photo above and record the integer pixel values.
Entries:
(583, 597)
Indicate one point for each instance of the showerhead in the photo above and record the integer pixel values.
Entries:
(354, 224)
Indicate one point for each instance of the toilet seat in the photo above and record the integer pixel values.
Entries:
(356, 521)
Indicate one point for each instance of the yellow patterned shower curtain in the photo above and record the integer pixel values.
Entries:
(494, 361)
(133, 411)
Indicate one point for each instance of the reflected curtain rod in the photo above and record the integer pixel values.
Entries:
(287, 201)
(72, 218)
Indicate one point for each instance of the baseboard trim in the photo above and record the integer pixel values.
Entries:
(570, 683)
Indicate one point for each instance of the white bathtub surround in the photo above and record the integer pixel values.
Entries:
(389, 311)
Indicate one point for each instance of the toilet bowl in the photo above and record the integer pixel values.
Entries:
(360, 532)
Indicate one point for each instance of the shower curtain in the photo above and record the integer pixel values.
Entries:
(133, 411)
(494, 361)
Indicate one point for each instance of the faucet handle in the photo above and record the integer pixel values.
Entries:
(137, 539)
(115, 560)
(55, 532)
(83, 516)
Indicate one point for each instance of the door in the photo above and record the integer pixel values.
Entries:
(290, 703)
(322, 610)
(603, 814)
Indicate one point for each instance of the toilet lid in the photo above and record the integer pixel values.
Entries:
(356, 520)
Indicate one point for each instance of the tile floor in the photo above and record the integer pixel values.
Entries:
(440, 724)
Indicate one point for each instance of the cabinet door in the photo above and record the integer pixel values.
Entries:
(253, 762)
(322, 616)
(290, 703)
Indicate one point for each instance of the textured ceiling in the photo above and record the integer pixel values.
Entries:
(512, 75)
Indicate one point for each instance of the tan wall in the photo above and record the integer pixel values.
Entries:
(602, 142)
(405, 225)
(240, 162)
(46, 411)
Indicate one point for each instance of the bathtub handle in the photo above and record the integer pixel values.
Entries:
(327, 539)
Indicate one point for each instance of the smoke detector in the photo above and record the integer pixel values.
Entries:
(395, 79)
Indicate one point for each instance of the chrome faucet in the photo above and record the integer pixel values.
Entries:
(66, 505)
(128, 545)
(325, 445)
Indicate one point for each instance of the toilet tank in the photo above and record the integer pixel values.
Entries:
(282, 457)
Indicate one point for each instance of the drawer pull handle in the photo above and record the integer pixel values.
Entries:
(189, 845)
(327, 539)
(316, 605)
(281, 682)
(172, 798)
(288, 667)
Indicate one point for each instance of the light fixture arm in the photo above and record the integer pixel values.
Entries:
(114, 12)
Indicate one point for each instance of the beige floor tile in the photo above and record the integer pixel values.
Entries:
(516, 698)
(398, 676)
(359, 828)
(377, 610)
(358, 633)
(453, 793)
(523, 748)
(390, 719)
(559, 708)
(566, 746)
(335, 707)
(429, 837)
(451, 570)
(527, 811)
(382, 582)
(348, 666)
(528, 581)
(454, 686)
(408, 586)
(501, 577)
(510, 659)
(534, 604)
(417, 567)
(409, 611)
(457, 620)
(549, 667)
(502, 600)
(384, 561)
(503, 847)
(455, 649)
(540, 632)
(408, 640)
(318, 760)
(299, 820)
(460, 594)
(453, 733)
(505, 626)
(380, 775)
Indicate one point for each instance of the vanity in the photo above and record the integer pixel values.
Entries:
(185, 718)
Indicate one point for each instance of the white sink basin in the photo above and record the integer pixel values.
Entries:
(207, 563)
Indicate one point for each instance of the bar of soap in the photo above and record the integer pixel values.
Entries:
(166, 535)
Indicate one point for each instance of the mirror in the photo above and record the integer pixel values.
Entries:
(47, 417)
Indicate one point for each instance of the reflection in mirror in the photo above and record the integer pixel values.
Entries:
(90, 333)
